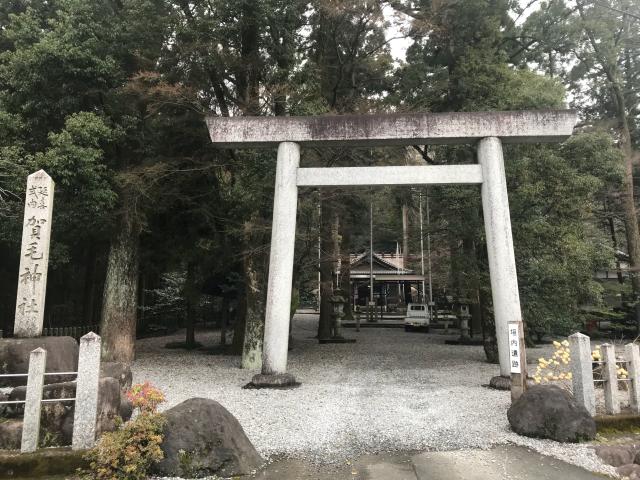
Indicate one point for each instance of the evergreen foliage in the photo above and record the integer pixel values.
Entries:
(109, 98)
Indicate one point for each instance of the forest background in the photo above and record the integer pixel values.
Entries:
(151, 222)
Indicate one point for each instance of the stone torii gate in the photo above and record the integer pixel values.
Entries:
(488, 129)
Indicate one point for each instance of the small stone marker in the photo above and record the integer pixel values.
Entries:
(610, 377)
(34, 256)
(517, 360)
(632, 353)
(582, 371)
(35, 382)
(86, 407)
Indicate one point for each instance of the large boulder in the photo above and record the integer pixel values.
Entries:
(57, 417)
(201, 438)
(62, 356)
(548, 411)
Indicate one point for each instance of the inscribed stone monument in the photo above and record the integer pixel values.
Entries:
(34, 255)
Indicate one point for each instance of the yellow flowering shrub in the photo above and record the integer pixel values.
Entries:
(557, 368)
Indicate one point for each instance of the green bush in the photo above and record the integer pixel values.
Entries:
(129, 452)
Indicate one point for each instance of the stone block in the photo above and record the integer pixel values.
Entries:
(62, 356)
(277, 380)
(10, 434)
(118, 370)
(500, 383)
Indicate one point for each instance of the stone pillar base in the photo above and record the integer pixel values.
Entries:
(500, 383)
(337, 340)
(504, 383)
(278, 380)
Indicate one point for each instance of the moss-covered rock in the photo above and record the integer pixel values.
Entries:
(41, 464)
(202, 438)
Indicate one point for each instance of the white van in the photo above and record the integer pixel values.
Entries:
(417, 317)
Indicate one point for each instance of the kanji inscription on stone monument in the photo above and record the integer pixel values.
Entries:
(34, 255)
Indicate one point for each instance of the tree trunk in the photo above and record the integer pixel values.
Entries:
(611, 70)
(628, 200)
(629, 207)
(240, 323)
(472, 293)
(224, 319)
(490, 342)
(255, 281)
(345, 273)
(192, 297)
(120, 299)
(327, 260)
(88, 297)
(614, 241)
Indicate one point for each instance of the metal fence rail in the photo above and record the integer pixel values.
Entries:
(86, 399)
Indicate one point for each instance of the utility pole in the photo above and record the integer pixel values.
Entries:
(371, 249)
(422, 250)
(429, 254)
(319, 245)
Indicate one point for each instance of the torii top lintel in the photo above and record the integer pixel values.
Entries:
(539, 126)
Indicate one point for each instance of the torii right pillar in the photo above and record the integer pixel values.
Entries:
(502, 265)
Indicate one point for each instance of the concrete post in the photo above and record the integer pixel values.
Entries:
(610, 377)
(502, 263)
(33, 399)
(86, 407)
(632, 354)
(283, 239)
(582, 371)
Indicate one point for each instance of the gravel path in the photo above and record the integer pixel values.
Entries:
(391, 391)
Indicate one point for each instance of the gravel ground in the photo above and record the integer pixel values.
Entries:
(390, 391)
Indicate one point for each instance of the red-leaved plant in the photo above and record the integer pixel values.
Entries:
(145, 397)
(129, 452)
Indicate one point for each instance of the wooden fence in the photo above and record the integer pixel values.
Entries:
(76, 332)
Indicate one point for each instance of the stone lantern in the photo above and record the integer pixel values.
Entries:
(461, 306)
(338, 301)
(464, 316)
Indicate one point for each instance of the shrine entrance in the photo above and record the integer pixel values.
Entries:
(489, 130)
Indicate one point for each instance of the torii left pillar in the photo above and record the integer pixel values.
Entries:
(283, 240)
